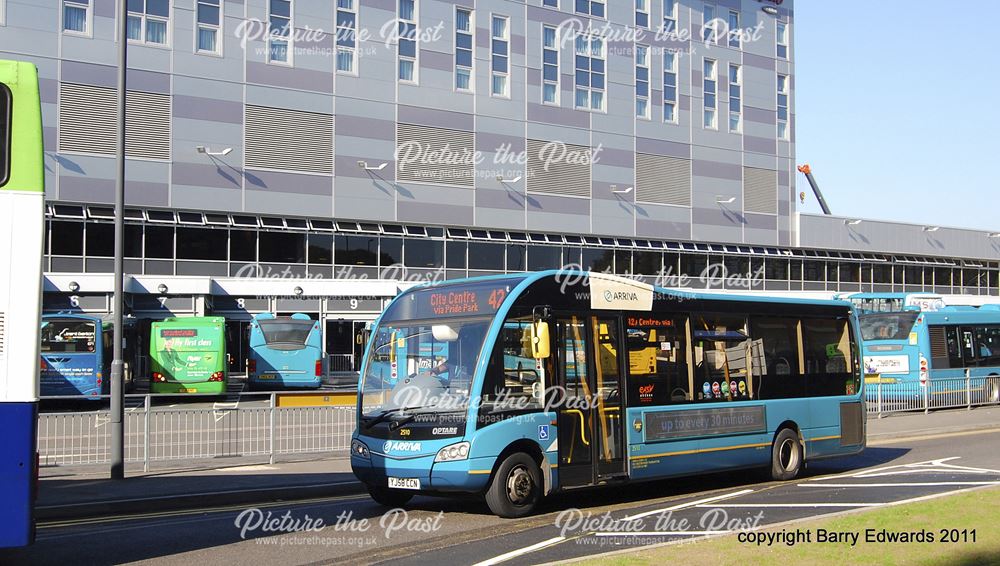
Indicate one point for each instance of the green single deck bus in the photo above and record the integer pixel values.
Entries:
(188, 355)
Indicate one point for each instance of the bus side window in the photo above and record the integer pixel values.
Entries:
(988, 344)
(954, 348)
(969, 347)
(657, 364)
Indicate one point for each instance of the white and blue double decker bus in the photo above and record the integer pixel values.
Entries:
(940, 358)
(514, 387)
(22, 217)
(285, 351)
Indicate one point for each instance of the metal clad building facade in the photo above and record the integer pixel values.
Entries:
(298, 128)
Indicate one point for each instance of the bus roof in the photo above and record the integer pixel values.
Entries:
(190, 320)
(521, 282)
(952, 315)
(71, 315)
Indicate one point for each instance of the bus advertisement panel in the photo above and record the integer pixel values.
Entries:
(557, 380)
(188, 355)
(285, 351)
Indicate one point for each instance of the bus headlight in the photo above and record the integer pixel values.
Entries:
(453, 452)
(359, 449)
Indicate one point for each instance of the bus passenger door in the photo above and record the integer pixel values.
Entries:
(589, 370)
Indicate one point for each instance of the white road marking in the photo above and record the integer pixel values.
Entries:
(903, 484)
(665, 533)
(779, 505)
(520, 552)
(689, 504)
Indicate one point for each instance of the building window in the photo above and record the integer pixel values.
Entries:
(642, 81)
(735, 99)
(711, 104)
(499, 56)
(347, 39)
(734, 29)
(590, 72)
(783, 107)
(209, 26)
(782, 40)
(550, 65)
(279, 41)
(147, 21)
(642, 13)
(552, 3)
(670, 87)
(709, 33)
(407, 48)
(592, 7)
(463, 49)
(669, 16)
(76, 16)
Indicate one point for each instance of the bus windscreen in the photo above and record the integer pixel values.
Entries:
(887, 326)
(67, 336)
(286, 332)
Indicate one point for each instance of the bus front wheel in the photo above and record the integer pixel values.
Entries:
(516, 487)
(786, 455)
(389, 497)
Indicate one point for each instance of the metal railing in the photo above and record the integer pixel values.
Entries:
(249, 425)
(942, 393)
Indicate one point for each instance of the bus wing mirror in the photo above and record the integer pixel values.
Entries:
(540, 340)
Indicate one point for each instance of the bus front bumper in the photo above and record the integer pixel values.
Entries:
(460, 476)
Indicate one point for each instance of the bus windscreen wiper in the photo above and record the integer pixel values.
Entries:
(385, 414)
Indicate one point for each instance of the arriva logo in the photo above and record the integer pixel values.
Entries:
(401, 446)
(611, 296)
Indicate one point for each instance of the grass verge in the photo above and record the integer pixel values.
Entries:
(970, 511)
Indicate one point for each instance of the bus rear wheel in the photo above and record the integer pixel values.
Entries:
(389, 497)
(516, 487)
(786, 455)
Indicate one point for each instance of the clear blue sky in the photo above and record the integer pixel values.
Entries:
(898, 108)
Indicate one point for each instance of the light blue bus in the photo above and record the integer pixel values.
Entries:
(562, 380)
(914, 354)
(285, 352)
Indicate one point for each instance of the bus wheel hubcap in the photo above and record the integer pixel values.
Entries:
(519, 485)
(786, 455)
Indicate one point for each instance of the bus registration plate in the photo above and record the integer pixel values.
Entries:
(267, 376)
(404, 483)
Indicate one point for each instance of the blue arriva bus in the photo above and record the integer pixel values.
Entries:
(76, 352)
(285, 351)
(518, 386)
(22, 229)
(912, 350)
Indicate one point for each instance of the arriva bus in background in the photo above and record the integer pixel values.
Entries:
(188, 355)
(22, 218)
(76, 355)
(893, 302)
(917, 353)
(520, 386)
(285, 351)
